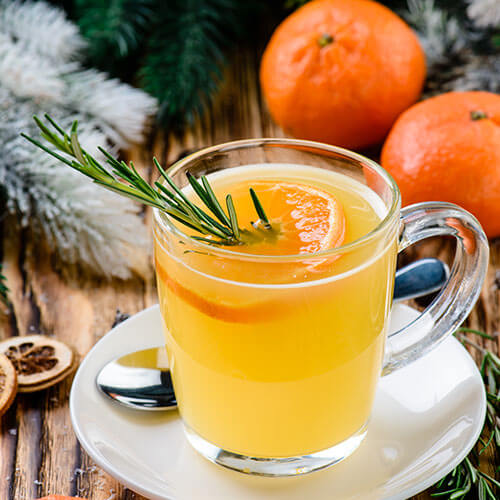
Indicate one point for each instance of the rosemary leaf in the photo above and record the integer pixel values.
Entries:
(216, 208)
(198, 189)
(476, 332)
(189, 206)
(3, 288)
(258, 208)
(47, 150)
(76, 145)
(53, 123)
(232, 216)
(204, 197)
(130, 193)
(164, 192)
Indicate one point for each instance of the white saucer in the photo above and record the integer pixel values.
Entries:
(426, 418)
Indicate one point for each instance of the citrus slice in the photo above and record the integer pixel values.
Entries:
(8, 383)
(39, 361)
(305, 220)
(309, 219)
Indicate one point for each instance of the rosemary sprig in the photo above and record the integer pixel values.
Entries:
(467, 480)
(216, 226)
(3, 288)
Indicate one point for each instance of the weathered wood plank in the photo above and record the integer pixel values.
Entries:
(8, 423)
(24, 459)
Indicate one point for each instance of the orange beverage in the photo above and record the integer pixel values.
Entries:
(278, 359)
(276, 341)
(275, 324)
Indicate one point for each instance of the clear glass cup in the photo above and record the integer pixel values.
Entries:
(276, 375)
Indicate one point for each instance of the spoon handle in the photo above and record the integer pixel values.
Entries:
(420, 278)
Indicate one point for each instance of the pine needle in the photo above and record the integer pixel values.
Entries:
(114, 29)
(186, 51)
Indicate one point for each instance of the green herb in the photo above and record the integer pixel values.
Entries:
(216, 226)
(3, 288)
(467, 480)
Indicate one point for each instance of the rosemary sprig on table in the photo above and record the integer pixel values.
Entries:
(467, 480)
(216, 226)
(3, 288)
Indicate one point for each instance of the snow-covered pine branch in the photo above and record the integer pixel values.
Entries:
(484, 13)
(451, 64)
(40, 72)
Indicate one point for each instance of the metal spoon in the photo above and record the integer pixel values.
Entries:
(141, 379)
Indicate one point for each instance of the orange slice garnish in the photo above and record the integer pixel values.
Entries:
(309, 219)
(242, 313)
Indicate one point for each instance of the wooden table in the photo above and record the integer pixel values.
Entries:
(39, 453)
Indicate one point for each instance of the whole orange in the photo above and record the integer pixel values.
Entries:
(447, 148)
(341, 71)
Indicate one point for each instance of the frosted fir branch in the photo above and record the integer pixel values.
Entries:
(82, 222)
(27, 75)
(122, 110)
(478, 72)
(86, 225)
(452, 64)
(440, 34)
(484, 13)
(42, 29)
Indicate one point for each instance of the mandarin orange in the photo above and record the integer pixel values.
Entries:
(341, 71)
(447, 148)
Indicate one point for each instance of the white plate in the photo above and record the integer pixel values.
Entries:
(426, 418)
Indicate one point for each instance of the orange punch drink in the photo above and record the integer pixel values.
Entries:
(276, 344)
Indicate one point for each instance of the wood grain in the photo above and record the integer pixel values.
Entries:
(39, 453)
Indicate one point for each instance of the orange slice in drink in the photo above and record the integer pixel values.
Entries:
(309, 219)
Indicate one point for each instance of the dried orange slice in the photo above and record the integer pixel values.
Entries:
(39, 361)
(8, 383)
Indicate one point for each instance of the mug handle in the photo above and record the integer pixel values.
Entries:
(455, 301)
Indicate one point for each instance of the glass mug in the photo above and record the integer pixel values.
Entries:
(276, 374)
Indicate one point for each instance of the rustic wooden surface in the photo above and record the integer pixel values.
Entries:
(39, 453)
